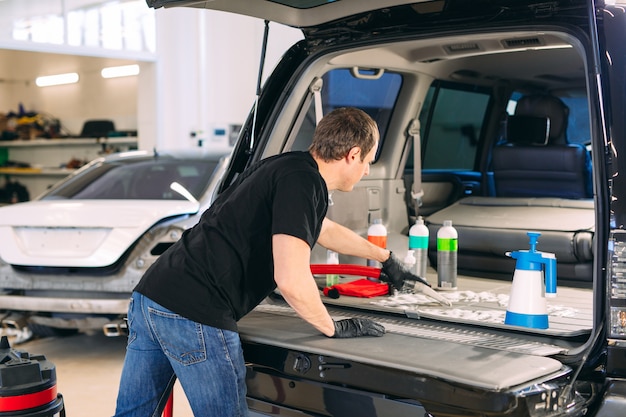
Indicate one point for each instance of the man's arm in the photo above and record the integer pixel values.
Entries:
(292, 273)
(293, 277)
(343, 240)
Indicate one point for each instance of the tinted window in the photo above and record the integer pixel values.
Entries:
(375, 93)
(578, 129)
(372, 94)
(451, 122)
(138, 179)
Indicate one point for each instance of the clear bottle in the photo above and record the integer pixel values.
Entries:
(418, 242)
(409, 260)
(377, 234)
(447, 252)
(409, 263)
(332, 257)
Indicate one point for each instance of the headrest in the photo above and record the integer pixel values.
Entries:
(553, 108)
(527, 130)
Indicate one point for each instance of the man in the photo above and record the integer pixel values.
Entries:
(256, 236)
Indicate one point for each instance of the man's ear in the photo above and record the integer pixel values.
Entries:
(354, 153)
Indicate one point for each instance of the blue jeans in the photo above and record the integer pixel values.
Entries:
(163, 346)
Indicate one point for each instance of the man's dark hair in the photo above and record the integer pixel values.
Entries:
(341, 130)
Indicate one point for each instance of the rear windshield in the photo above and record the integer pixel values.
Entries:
(137, 180)
(372, 91)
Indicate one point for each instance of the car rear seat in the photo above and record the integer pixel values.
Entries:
(490, 226)
(542, 184)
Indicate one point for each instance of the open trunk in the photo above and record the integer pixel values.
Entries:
(463, 70)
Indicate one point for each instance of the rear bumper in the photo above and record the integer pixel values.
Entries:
(293, 397)
(69, 300)
(63, 305)
(23, 291)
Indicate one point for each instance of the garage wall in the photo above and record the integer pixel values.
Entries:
(93, 97)
(205, 75)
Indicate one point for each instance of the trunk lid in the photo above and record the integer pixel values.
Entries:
(294, 13)
(85, 233)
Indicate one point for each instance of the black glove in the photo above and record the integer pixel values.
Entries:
(395, 273)
(356, 327)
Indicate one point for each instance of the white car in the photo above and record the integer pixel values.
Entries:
(70, 258)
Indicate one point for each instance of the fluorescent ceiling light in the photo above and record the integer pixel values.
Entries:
(48, 80)
(123, 71)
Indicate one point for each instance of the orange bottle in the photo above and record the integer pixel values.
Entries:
(377, 234)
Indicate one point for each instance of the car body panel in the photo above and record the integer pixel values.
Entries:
(79, 233)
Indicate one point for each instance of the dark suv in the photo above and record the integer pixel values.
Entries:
(505, 117)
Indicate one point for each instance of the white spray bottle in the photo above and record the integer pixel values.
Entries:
(527, 303)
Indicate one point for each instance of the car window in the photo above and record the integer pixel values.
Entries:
(138, 179)
(578, 129)
(373, 92)
(451, 121)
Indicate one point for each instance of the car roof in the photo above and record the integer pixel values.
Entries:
(296, 13)
(170, 153)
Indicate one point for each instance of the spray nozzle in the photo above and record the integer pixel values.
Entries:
(533, 236)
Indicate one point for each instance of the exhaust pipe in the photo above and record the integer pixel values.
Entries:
(14, 322)
(116, 328)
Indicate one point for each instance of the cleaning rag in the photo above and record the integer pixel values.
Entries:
(360, 288)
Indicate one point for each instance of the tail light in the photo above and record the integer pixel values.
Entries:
(617, 284)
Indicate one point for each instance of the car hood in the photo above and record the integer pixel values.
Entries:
(296, 13)
(79, 233)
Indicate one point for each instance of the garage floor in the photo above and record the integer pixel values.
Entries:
(88, 369)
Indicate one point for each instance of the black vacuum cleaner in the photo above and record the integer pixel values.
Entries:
(27, 385)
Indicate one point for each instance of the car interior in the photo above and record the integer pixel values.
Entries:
(504, 145)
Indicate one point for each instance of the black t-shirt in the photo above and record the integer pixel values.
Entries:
(223, 267)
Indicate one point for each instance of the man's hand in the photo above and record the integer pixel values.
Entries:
(395, 273)
(356, 327)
